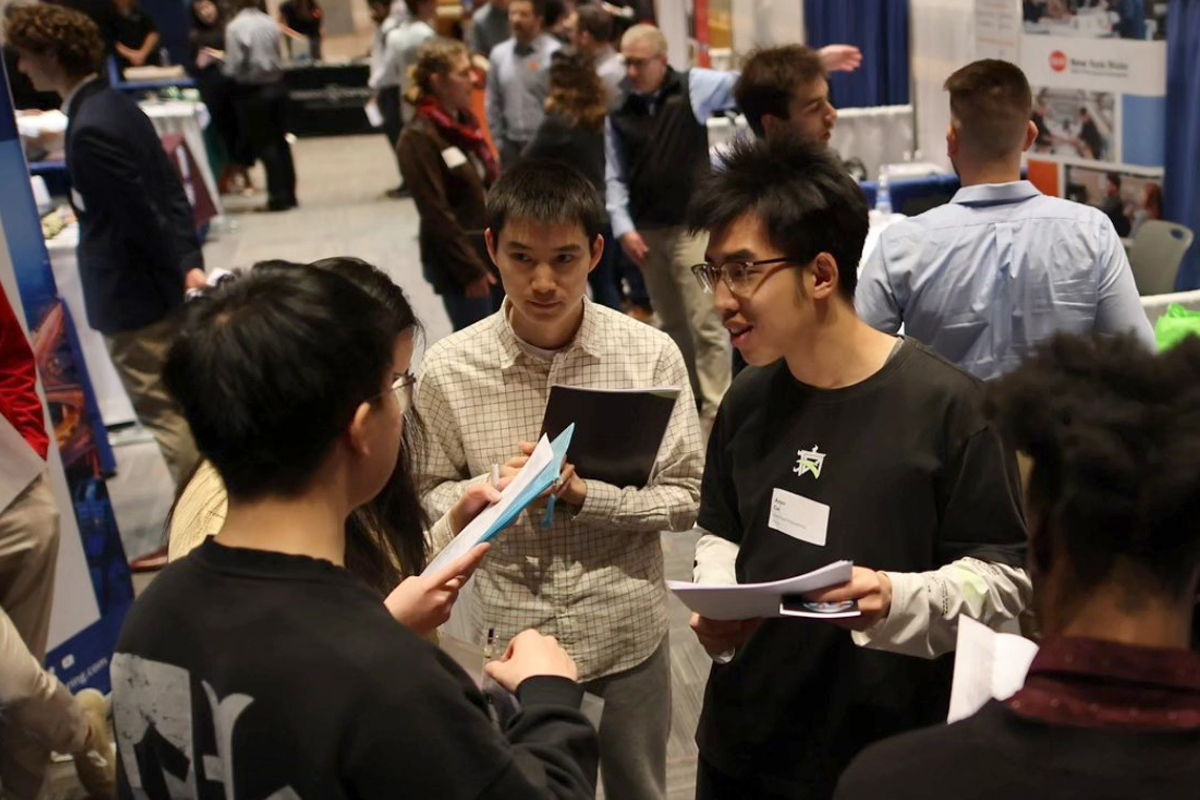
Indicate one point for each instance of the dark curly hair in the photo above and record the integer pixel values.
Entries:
(1114, 434)
(41, 28)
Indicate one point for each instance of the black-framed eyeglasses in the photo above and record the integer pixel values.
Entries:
(741, 277)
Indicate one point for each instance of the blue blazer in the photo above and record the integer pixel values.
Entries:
(137, 234)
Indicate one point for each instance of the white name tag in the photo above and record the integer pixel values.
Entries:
(453, 157)
(77, 200)
(799, 517)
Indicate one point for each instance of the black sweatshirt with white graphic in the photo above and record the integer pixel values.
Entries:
(261, 676)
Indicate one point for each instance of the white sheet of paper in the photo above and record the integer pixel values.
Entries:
(799, 517)
(374, 115)
(756, 600)
(987, 665)
(453, 157)
(543, 454)
(19, 465)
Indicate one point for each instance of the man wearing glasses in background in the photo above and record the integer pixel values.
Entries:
(839, 442)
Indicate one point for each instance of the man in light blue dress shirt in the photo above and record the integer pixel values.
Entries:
(1002, 267)
(519, 80)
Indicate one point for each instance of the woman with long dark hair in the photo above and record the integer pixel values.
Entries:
(385, 541)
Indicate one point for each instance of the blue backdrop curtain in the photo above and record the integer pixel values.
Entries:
(1181, 188)
(877, 27)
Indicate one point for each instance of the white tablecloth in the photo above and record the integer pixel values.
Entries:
(188, 119)
(1155, 305)
(115, 408)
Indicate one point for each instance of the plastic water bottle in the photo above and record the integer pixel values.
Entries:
(883, 195)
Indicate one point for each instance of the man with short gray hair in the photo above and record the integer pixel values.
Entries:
(657, 145)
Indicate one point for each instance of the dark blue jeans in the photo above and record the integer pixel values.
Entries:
(628, 271)
(605, 283)
(465, 311)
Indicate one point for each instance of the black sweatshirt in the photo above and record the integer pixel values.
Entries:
(283, 677)
(999, 755)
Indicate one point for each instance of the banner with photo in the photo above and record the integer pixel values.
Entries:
(1098, 70)
(93, 588)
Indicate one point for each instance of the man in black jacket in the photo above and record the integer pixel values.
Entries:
(138, 250)
(656, 148)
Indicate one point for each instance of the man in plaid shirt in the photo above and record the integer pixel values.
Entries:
(594, 578)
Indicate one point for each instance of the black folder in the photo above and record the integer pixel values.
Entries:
(618, 432)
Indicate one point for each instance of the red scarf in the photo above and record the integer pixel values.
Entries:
(465, 134)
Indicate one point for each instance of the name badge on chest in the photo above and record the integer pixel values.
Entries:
(453, 157)
(799, 517)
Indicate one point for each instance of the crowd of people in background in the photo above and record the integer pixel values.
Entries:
(977, 421)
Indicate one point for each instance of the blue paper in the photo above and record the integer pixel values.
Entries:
(538, 487)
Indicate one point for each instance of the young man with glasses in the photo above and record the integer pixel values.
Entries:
(839, 442)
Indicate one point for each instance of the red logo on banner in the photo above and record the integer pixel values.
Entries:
(1058, 61)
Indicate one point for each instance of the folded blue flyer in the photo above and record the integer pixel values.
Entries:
(538, 475)
(544, 480)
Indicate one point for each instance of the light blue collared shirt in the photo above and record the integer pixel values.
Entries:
(517, 87)
(999, 269)
(710, 92)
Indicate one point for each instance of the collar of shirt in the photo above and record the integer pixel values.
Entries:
(1091, 683)
(538, 45)
(251, 12)
(515, 350)
(987, 194)
(66, 103)
(605, 56)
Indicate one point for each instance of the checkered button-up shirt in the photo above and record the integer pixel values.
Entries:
(594, 580)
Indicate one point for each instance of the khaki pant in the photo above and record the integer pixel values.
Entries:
(139, 357)
(37, 713)
(687, 312)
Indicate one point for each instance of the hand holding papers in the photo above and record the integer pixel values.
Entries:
(758, 600)
(538, 475)
(423, 602)
(987, 665)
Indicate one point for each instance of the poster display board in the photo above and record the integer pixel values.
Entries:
(93, 589)
(1098, 71)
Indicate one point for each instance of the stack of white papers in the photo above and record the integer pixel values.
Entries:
(987, 665)
(538, 475)
(759, 600)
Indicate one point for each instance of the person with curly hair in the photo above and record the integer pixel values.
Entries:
(138, 249)
(573, 133)
(1111, 703)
